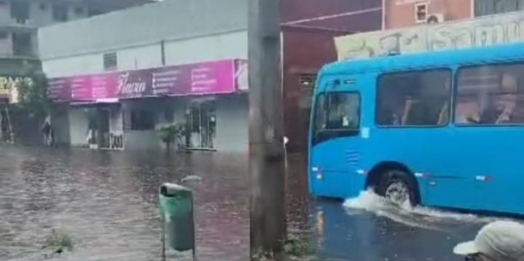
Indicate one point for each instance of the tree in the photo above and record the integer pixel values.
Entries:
(28, 98)
(32, 93)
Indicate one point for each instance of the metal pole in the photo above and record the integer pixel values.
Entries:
(194, 227)
(163, 238)
(11, 133)
(266, 150)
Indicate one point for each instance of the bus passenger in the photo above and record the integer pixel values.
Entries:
(443, 116)
(508, 100)
(501, 104)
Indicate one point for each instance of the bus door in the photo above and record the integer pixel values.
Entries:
(335, 132)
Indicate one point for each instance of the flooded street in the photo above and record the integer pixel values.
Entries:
(107, 201)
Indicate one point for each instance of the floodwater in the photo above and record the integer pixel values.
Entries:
(107, 201)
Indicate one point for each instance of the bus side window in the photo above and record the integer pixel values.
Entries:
(414, 98)
(490, 95)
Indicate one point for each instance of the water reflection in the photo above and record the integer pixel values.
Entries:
(107, 200)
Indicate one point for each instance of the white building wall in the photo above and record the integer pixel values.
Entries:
(148, 24)
(140, 57)
(74, 65)
(232, 123)
(232, 45)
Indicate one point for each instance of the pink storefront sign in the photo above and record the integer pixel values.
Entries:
(94, 87)
(195, 79)
(217, 77)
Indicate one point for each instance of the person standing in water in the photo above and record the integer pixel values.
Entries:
(47, 132)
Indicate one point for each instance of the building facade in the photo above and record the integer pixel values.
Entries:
(489, 23)
(161, 72)
(91, 47)
(19, 20)
(407, 13)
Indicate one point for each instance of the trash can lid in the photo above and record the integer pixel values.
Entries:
(171, 189)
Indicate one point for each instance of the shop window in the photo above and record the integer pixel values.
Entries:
(4, 35)
(491, 7)
(490, 95)
(142, 120)
(110, 61)
(60, 12)
(414, 98)
(20, 11)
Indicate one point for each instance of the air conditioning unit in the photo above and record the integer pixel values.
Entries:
(435, 19)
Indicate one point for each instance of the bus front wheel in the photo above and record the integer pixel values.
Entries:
(398, 187)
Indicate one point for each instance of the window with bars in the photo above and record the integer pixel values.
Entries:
(307, 86)
(421, 12)
(110, 61)
(307, 82)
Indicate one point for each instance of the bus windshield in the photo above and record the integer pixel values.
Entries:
(337, 111)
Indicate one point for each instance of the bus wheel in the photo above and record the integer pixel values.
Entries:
(398, 187)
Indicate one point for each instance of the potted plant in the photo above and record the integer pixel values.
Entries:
(171, 134)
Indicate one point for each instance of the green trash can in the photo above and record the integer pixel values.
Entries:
(176, 207)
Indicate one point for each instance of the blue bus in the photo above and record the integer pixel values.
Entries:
(443, 129)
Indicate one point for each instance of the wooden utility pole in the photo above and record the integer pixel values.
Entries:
(266, 130)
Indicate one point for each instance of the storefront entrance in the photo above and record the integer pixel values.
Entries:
(102, 122)
(201, 123)
(103, 128)
(98, 127)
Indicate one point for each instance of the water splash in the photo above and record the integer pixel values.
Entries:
(191, 178)
(418, 216)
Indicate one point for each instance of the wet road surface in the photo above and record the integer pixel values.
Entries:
(107, 202)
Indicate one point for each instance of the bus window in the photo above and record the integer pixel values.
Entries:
(320, 114)
(337, 111)
(417, 98)
(490, 95)
(342, 111)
